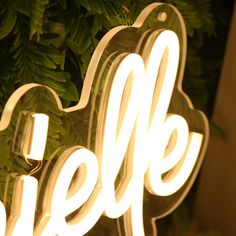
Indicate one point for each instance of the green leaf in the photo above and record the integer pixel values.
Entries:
(60, 89)
(23, 7)
(43, 61)
(71, 92)
(51, 74)
(58, 30)
(8, 22)
(36, 17)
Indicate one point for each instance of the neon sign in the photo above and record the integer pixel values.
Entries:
(147, 138)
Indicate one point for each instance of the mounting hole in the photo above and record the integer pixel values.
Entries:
(162, 16)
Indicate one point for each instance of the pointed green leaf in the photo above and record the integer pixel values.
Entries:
(71, 92)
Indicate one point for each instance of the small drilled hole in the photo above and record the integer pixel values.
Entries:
(162, 16)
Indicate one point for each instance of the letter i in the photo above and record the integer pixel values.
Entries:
(21, 220)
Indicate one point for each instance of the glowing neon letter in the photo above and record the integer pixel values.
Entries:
(61, 199)
(21, 220)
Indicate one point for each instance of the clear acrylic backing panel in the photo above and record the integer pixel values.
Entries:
(85, 124)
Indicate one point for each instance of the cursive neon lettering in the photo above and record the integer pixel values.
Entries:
(136, 137)
(115, 142)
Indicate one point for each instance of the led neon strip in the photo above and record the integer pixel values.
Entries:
(161, 143)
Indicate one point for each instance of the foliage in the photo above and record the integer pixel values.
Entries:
(51, 42)
(46, 42)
